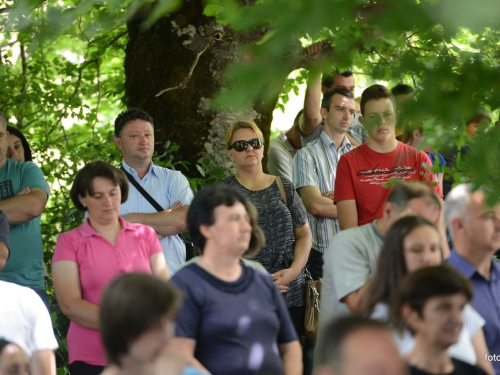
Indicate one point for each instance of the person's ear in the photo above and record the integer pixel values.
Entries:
(389, 211)
(397, 115)
(457, 224)
(361, 119)
(416, 134)
(229, 154)
(324, 113)
(205, 231)
(118, 142)
(82, 200)
(409, 316)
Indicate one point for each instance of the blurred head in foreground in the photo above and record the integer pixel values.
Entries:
(137, 318)
(358, 346)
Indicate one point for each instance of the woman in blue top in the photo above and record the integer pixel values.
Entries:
(233, 319)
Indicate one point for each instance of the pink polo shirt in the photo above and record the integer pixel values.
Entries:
(99, 263)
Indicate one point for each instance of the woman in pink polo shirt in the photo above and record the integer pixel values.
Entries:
(88, 257)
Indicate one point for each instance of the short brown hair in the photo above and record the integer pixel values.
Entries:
(403, 192)
(202, 212)
(376, 92)
(428, 282)
(327, 97)
(84, 181)
(129, 115)
(241, 125)
(131, 305)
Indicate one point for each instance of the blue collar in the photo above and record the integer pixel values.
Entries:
(132, 171)
(468, 270)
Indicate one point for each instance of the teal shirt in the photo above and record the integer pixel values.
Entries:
(24, 266)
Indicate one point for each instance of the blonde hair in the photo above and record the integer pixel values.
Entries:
(241, 125)
(257, 239)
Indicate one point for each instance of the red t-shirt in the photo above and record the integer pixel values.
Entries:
(362, 172)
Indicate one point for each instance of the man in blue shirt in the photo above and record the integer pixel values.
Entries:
(475, 230)
(134, 136)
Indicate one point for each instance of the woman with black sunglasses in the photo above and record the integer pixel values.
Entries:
(282, 216)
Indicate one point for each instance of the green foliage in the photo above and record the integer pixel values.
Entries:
(447, 49)
(209, 173)
(61, 64)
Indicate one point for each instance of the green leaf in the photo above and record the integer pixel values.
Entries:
(211, 10)
(200, 169)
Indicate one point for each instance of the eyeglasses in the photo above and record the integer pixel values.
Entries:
(242, 145)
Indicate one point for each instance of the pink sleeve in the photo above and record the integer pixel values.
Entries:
(344, 187)
(65, 248)
(152, 241)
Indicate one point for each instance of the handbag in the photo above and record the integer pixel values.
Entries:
(190, 249)
(313, 304)
(313, 288)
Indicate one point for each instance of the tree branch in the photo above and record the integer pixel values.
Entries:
(116, 38)
(105, 36)
(193, 66)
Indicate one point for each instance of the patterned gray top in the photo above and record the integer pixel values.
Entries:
(278, 221)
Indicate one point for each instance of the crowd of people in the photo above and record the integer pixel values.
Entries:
(409, 284)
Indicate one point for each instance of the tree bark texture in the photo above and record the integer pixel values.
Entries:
(162, 57)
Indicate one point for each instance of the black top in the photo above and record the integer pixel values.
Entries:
(278, 221)
(461, 368)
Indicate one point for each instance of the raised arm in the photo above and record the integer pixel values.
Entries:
(311, 118)
(69, 295)
(22, 208)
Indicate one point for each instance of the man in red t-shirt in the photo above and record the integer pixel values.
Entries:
(365, 173)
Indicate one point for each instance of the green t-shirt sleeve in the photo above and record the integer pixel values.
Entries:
(32, 177)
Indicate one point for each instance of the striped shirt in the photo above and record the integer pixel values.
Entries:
(316, 165)
(486, 300)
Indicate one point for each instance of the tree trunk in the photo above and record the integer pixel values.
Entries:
(162, 57)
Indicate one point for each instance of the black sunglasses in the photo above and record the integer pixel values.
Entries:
(239, 146)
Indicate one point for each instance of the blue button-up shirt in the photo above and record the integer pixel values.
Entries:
(166, 186)
(486, 300)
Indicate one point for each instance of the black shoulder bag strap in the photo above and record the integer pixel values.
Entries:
(190, 250)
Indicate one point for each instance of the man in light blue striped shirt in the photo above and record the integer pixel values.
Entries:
(314, 170)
